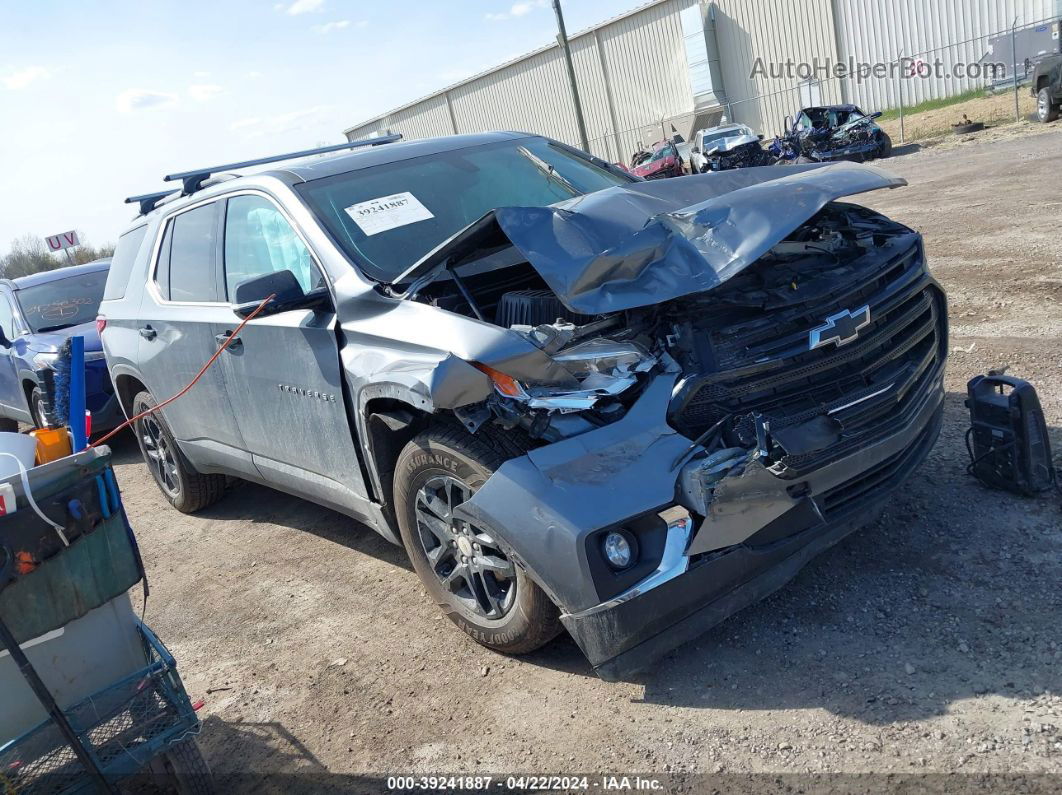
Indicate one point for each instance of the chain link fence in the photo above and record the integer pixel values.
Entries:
(998, 62)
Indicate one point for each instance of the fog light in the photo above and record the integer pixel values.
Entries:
(618, 550)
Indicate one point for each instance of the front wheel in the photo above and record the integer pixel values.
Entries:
(40, 416)
(187, 490)
(1046, 110)
(886, 145)
(463, 567)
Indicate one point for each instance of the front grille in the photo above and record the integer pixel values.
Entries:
(869, 385)
(851, 495)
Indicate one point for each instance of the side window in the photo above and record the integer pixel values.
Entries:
(259, 241)
(162, 270)
(122, 262)
(192, 255)
(7, 317)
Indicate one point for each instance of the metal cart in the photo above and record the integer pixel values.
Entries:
(110, 701)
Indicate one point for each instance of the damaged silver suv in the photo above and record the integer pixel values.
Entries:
(576, 398)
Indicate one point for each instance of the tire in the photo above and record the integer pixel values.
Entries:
(462, 567)
(886, 145)
(1046, 110)
(966, 129)
(187, 770)
(37, 408)
(187, 490)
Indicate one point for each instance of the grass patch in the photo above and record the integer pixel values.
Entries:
(933, 104)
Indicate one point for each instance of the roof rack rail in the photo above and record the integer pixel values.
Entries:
(193, 180)
(149, 201)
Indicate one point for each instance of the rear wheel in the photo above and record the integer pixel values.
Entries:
(1046, 110)
(463, 567)
(187, 490)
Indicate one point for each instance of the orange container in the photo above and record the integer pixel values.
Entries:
(52, 444)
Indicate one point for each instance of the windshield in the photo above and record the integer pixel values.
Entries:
(387, 217)
(62, 303)
(664, 151)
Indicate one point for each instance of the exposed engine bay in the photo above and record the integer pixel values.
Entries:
(611, 355)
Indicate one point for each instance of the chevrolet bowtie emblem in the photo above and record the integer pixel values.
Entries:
(839, 329)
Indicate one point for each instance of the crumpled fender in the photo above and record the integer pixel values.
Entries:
(543, 505)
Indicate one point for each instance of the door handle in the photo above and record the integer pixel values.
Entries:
(221, 338)
(148, 333)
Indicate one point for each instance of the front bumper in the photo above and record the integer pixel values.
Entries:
(107, 416)
(545, 505)
(624, 638)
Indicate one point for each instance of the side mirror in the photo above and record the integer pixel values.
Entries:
(287, 292)
(760, 136)
(788, 123)
(875, 114)
(4, 341)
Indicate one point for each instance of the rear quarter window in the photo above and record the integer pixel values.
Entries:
(122, 263)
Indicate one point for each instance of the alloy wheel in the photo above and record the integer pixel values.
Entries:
(159, 455)
(468, 562)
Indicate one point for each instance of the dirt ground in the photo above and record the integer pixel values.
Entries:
(994, 110)
(929, 642)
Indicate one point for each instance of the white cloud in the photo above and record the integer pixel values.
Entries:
(280, 124)
(135, 99)
(254, 121)
(21, 78)
(204, 91)
(328, 27)
(516, 10)
(304, 7)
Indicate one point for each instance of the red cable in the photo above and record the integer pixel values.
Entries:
(217, 353)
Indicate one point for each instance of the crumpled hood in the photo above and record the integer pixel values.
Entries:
(649, 242)
(730, 142)
(645, 169)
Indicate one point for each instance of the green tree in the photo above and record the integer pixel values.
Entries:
(29, 254)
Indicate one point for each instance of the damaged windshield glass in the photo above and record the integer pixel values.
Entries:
(387, 217)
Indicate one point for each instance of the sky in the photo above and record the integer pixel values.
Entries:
(100, 99)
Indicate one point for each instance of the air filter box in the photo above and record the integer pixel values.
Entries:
(533, 308)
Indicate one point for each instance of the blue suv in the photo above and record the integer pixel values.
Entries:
(38, 313)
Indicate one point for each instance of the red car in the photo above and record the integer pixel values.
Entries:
(665, 162)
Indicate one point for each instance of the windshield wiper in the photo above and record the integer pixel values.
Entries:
(551, 173)
(59, 327)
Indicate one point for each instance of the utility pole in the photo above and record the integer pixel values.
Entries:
(562, 40)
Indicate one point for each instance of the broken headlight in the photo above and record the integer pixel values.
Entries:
(602, 367)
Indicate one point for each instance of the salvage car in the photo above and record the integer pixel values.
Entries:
(629, 408)
(38, 314)
(665, 161)
(1046, 86)
(838, 132)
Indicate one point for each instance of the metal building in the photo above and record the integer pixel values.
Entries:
(686, 63)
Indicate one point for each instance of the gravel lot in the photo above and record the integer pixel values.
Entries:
(928, 642)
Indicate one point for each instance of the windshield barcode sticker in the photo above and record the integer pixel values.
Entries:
(388, 212)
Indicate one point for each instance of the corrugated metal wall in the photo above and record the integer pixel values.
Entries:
(634, 77)
(643, 55)
(953, 30)
(774, 31)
